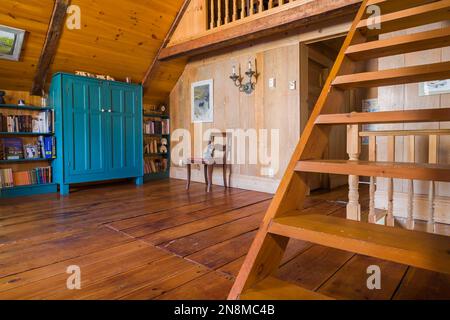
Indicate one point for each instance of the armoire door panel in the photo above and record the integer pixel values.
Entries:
(84, 130)
(122, 130)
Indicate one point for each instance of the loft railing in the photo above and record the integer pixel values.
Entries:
(354, 149)
(223, 12)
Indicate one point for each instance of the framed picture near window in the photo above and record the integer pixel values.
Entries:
(202, 101)
(434, 87)
(11, 41)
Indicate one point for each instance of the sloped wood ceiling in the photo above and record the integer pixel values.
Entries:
(32, 16)
(117, 37)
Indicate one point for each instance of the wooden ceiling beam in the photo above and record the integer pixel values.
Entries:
(277, 23)
(156, 62)
(50, 45)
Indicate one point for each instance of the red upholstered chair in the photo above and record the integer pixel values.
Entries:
(209, 163)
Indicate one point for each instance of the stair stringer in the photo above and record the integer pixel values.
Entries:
(267, 250)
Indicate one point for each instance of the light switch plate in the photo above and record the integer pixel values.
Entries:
(272, 83)
(292, 85)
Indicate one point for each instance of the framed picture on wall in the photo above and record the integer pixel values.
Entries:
(434, 87)
(202, 101)
(11, 41)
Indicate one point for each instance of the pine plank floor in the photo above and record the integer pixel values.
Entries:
(159, 241)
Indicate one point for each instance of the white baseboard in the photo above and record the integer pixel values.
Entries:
(421, 206)
(260, 184)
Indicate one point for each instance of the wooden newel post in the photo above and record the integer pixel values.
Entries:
(353, 150)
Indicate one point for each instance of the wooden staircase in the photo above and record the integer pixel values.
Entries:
(284, 220)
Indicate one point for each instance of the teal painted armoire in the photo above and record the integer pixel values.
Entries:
(98, 127)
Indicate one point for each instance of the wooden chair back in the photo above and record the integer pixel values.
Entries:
(221, 146)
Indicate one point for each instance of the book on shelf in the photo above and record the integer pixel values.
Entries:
(15, 149)
(36, 176)
(6, 178)
(151, 146)
(40, 123)
(155, 165)
(48, 147)
(159, 126)
(11, 149)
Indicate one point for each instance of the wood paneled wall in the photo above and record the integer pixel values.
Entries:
(404, 97)
(193, 22)
(267, 108)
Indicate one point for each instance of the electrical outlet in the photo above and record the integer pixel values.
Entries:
(180, 163)
(271, 173)
(272, 83)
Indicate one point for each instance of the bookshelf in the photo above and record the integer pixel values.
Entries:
(156, 156)
(30, 165)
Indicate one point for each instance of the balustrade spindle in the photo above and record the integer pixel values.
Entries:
(410, 205)
(227, 11)
(234, 10)
(390, 191)
(242, 9)
(353, 150)
(433, 150)
(212, 13)
(219, 13)
(373, 187)
(261, 6)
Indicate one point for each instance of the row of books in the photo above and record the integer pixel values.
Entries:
(14, 149)
(155, 165)
(41, 123)
(9, 179)
(152, 146)
(157, 126)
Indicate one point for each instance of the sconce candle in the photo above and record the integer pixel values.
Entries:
(249, 86)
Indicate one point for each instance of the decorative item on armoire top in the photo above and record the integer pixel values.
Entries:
(21, 102)
(96, 76)
(128, 79)
(2, 94)
(249, 86)
(11, 41)
(202, 101)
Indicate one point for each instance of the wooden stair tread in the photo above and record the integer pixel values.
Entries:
(419, 115)
(399, 170)
(272, 288)
(408, 18)
(414, 248)
(399, 45)
(428, 72)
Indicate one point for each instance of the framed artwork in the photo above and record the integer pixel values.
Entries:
(202, 101)
(11, 41)
(434, 87)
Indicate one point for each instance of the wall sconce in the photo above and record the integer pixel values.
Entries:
(249, 86)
